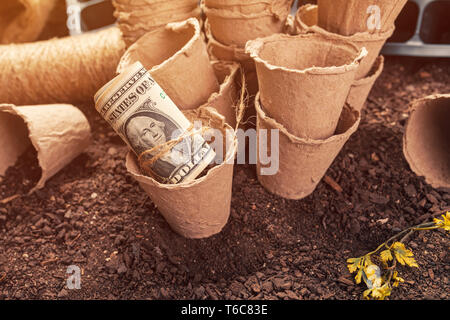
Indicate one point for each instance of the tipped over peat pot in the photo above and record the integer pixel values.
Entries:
(200, 208)
(177, 59)
(302, 162)
(426, 142)
(304, 80)
(58, 132)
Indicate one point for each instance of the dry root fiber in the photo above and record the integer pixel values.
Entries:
(237, 26)
(65, 70)
(177, 59)
(347, 17)
(23, 20)
(200, 208)
(136, 18)
(361, 88)
(426, 142)
(304, 80)
(302, 162)
(59, 133)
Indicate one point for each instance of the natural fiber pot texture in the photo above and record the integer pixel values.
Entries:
(347, 17)
(221, 52)
(248, 6)
(177, 59)
(360, 89)
(372, 42)
(306, 16)
(201, 208)
(65, 70)
(304, 80)
(302, 162)
(426, 142)
(59, 133)
(226, 99)
(136, 18)
(236, 28)
(23, 20)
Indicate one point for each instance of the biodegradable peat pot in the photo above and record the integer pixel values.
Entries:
(426, 142)
(304, 80)
(69, 69)
(347, 17)
(302, 162)
(153, 5)
(235, 28)
(361, 88)
(59, 133)
(177, 59)
(221, 52)
(200, 208)
(250, 6)
(225, 100)
(306, 17)
(23, 20)
(372, 42)
(135, 22)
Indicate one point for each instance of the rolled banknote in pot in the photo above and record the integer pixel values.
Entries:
(166, 143)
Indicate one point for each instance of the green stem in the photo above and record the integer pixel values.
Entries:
(420, 227)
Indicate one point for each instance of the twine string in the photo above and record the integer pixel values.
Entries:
(165, 148)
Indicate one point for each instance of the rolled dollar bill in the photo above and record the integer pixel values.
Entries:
(166, 143)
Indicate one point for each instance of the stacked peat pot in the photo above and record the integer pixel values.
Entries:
(137, 17)
(366, 23)
(176, 57)
(231, 23)
(304, 82)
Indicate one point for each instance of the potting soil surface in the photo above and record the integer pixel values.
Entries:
(93, 215)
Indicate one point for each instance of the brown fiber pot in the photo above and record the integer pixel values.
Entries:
(177, 59)
(58, 132)
(305, 17)
(235, 28)
(221, 52)
(137, 18)
(372, 42)
(302, 162)
(23, 20)
(153, 5)
(426, 142)
(348, 17)
(200, 208)
(361, 88)
(304, 80)
(249, 6)
(226, 99)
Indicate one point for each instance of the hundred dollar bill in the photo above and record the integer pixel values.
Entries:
(145, 117)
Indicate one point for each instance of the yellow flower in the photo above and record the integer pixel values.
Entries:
(445, 223)
(397, 279)
(379, 293)
(403, 255)
(353, 264)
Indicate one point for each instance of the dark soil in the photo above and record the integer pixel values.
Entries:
(94, 215)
